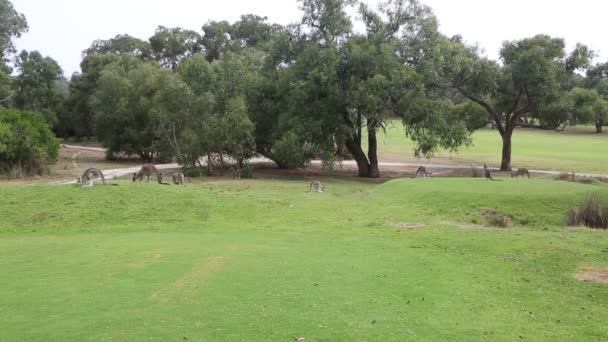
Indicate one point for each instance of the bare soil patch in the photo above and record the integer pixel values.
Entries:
(593, 274)
(404, 225)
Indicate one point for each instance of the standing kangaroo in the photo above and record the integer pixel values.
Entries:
(487, 173)
(146, 171)
(424, 172)
(520, 172)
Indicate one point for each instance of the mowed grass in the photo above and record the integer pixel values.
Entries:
(578, 149)
(262, 260)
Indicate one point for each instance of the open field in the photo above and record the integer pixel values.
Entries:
(261, 260)
(577, 149)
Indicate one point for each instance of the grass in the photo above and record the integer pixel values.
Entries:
(262, 260)
(577, 149)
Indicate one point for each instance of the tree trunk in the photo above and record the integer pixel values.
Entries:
(239, 168)
(599, 126)
(506, 149)
(357, 152)
(209, 165)
(374, 170)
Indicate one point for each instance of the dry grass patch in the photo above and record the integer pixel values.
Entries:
(495, 218)
(404, 225)
(592, 274)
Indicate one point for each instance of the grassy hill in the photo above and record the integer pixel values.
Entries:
(264, 260)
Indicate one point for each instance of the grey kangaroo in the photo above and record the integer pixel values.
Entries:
(422, 171)
(488, 174)
(520, 172)
(146, 171)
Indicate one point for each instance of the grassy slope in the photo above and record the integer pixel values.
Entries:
(263, 260)
(576, 149)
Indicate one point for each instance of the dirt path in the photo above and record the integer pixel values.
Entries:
(116, 173)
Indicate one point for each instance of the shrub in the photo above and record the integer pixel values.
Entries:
(247, 171)
(27, 144)
(591, 213)
(194, 172)
(291, 153)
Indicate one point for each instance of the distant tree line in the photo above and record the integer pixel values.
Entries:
(314, 89)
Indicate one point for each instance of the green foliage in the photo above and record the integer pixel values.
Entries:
(12, 25)
(290, 152)
(27, 144)
(36, 85)
(193, 172)
(78, 117)
(124, 108)
(170, 46)
(121, 45)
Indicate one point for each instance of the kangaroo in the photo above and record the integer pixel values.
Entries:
(178, 178)
(488, 174)
(89, 175)
(520, 172)
(146, 171)
(316, 184)
(424, 172)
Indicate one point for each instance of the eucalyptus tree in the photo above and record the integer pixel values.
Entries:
(534, 73)
(597, 79)
(170, 46)
(124, 108)
(36, 85)
(347, 83)
(12, 25)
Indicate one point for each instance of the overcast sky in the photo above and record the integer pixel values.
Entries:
(62, 29)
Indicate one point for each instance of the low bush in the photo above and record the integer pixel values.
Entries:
(591, 213)
(195, 172)
(27, 144)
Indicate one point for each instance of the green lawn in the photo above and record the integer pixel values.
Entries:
(262, 260)
(577, 149)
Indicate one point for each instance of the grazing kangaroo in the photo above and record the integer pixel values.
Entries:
(488, 174)
(89, 175)
(178, 178)
(520, 172)
(424, 172)
(316, 184)
(146, 171)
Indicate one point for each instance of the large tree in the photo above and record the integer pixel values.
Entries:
(348, 84)
(37, 83)
(534, 72)
(12, 25)
(597, 79)
(124, 108)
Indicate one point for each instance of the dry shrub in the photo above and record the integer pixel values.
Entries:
(494, 218)
(591, 213)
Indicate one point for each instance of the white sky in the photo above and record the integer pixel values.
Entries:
(62, 29)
